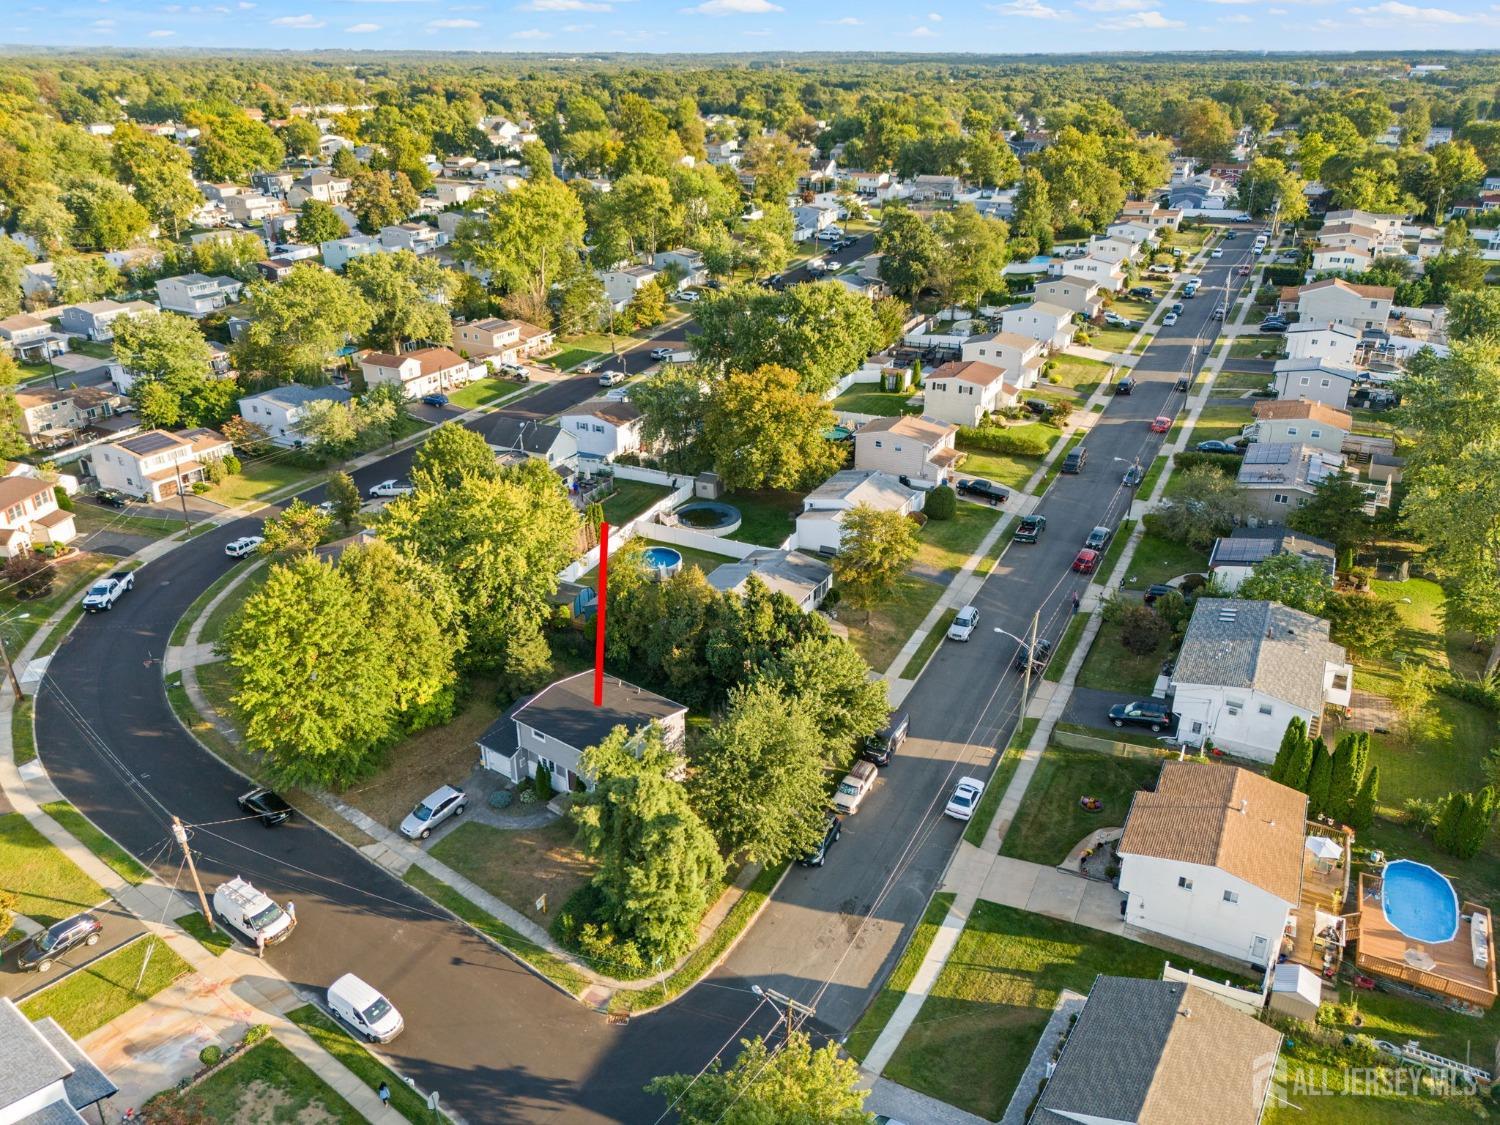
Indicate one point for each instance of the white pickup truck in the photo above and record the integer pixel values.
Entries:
(104, 593)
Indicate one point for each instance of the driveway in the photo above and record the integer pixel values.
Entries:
(1089, 707)
(120, 928)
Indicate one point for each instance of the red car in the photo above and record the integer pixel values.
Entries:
(1086, 561)
(1161, 425)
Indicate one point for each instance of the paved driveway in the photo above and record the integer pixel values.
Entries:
(120, 928)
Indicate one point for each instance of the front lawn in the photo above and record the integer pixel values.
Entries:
(972, 1039)
(1112, 339)
(1156, 559)
(1227, 381)
(121, 862)
(767, 517)
(928, 646)
(518, 866)
(1008, 469)
(880, 634)
(1110, 666)
(106, 988)
(96, 349)
(1050, 823)
(630, 498)
(481, 392)
(70, 577)
(1077, 373)
(889, 998)
(268, 1083)
(569, 358)
(258, 480)
(213, 627)
(50, 886)
(860, 399)
(365, 1066)
(1221, 422)
(947, 544)
(1256, 345)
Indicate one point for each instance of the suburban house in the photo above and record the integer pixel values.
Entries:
(1213, 857)
(815, 216)
(907, 447)
(925, 188)
(155, 465)
(1109, 249)
(1203, 192)
(280, 410)
(1051, 324)
(252, 208)
(275, 269)
(1159, 1051)
(1353, 236)
(1108, 274)
(506, 341)
(1281, 476)
(48, 1078)
(1320, 380)
(419, 238)
(1335, 301)
(686, 263)
(820, 525)
(799, 576)
(1131, 230)
(1332, 343)
(1074, 292)
(196, 294)
(1340, 259)
(603, 429)
(28, 337)
(50, 416)
(515, 440)
(339, 252)
(964, 391)
(1234, 556)
(1151, 213)
(1300, 420)
(38, 278)
(1020, 357)
(319, 184)
(865, 183)
(555, 726)
(96, 318)
(1389, 226)
(454, 193)
(620, 285)
(423, 371)
(29, 516)
(1247, 668)
(273, 183)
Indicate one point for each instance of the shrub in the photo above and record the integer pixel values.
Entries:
(942, 503)
(543, 783)
(64, 501)
(200, 487)
(1142, 630)
(1024, 441)
(232, 464)
(31, 576)
(8, 900)
(1226, 463)
(214, 470)
(211, 1054)
(256, 1033)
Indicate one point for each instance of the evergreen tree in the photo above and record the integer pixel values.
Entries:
(1450, 820)
(343, 493)
(1299, 767)
(1474, 827)
(1319, 779)
(1348, 772)
(1362, 814)
(1291, 746)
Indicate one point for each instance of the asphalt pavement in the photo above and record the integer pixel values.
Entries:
(120, 928)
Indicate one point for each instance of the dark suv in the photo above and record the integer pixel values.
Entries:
(1098, 538)
(38, 954)
(267, 806)
(1143, 713)
(833, 828)
(1039, 658)
(1075, 461)
(881, 745)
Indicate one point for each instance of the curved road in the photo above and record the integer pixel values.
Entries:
(495, 1041)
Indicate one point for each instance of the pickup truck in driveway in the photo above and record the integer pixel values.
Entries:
(104, 593)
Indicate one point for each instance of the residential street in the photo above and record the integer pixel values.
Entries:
(495, 1041)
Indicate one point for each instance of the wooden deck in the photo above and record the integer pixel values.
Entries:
(1325, 889)
(1383, 950)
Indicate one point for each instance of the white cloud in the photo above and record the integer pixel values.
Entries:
(1029, 9)
(1115, 5)
(575, 28)
(922, 31)
(1238, 17)
(1232, 1)
(1142, 21)
(159, 34)
(103, 25)
(565, 6)
(734, 8)
(452, 25)
(934, 17)
(244, 5)
(362, 28)
(529, 33)
(302, 23)
(1392, 11)
(845, 21)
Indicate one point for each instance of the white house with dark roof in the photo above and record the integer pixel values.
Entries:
(1020, 357)
(1213, 857)
(46, 1079)
(339, 252)
(1051, 324)
(95, 319)
(556, 725)
(1081, 294)
(801, 577)
(1159, 1052)
(603, 429)
(28, 337)
(280, 410)
(1319, 380)
(820, 524)
(687, 263)
(1234, 556)
(962, 392)
(196, 294)
(1109, 273)
(620, 285)
(1247, 668)
(521, 439)
(155, 465)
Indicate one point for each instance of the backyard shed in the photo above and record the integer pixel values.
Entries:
(1296, 991)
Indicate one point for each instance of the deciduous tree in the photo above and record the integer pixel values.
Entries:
(875, 548)
(173, 369)
(528, 239)
(761, 431)
(318, 222)
(829, 677)
(451, 455)
(1291, 580)
(344, 495)
(297, 530)
(408, 296)
(910, 252)
(297, 324)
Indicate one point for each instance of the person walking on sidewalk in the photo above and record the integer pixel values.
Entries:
(260, 944)
(383, 1092)
(1075, 601)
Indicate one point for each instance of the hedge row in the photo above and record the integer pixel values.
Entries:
(1024, 441)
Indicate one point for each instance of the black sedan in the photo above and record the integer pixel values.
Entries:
(38, 954)
(833, 828)
(267, 806)
(1148, 713)
(984, 490)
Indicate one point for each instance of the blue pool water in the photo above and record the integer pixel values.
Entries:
(1419, 901)
(663, 562)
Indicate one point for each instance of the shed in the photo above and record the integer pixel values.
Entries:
(1296, 991)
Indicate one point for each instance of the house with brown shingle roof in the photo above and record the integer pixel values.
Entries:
(1335, 301)
(1213, 857)
(964, 391)
(913, 448)
(423, 371)
(1300, 420)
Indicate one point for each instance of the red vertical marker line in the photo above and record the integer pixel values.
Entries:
(599, 616)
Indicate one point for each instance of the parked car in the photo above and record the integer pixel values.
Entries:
(1086, 561)
(1132, 477)
(251, 913)
(965, 797)
(1115, 319)
(110, 498)
(244, 545)
(689, 295)
(1243, 271)
(1169, 320)
(884, 743)
(1038, 660)
(1273, 326)
(45, 947)
(1144, 292)
(370, 1014)
(852, 790)
(1231, 235)
(1177, 307)
(612, 378)
(389, 489)
(830, 234)
(1218, 313)
(1161, 424)
(964, 624)
(1030, 529)
(1158, 590)
(266, 806)
(435, 400)
(985, 490)
(1076, 460)
(1098, 539)
(515, 371)
(1125, 385)
(1216, 252)
(442, 803)
(1148, 713)
(1040, 407)
(1184, 382)
(1242, 218)
(104, 593)
(589, 366)
(661, 353)
(1214, 445)
(833, 828)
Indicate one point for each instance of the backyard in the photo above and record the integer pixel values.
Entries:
(863, 399)
(766, 517)
(1050, 822)
(630, 498)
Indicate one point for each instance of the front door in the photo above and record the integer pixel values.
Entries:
(1258, 950)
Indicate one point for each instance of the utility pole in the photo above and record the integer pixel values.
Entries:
(180, 833)
(1030, 659)
(782, 1000)
(9, 668)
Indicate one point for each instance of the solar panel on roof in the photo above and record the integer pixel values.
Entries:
(1274, 453)
(149, 443)
(1243, 550)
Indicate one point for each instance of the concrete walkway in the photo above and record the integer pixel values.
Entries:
(1069, 1004)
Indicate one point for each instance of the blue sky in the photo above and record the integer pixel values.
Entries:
(566, 27)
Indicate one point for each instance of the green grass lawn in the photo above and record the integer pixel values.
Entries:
(861, 399)
(999, 780)
(1050, 822)
(211, 938)
(947, 544)
(365, 1066)
(213, 628)
(70, 576)
(1008, 469)
(121, 862)
(1062, 652)
(1252, 345)
(483, 391)
(258, 480)
(106, 988)
(49, 886)
(269, 1075)
(1112, 339)
(889, 998)
(90, 518)
(1316, 1086)
(630, 498)
(928, 646)
(1153, 473)
(1222, 422)
(974, 1035)
(766, 517)
(1077, 373)
(1112, 554)
(1230, 382)
(1157, 559)
(97, 349)
(22, 731)
(880, 634)
(1109, 666)
(569, 358)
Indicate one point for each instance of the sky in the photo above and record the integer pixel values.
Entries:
(569, 27)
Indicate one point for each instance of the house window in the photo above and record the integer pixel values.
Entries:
(1340, 682)
(1279, 498)
(1323, 383)
(879, 444)
(598, 429)
(1304, 381)
(550, 765)
(1231, 897)
(1315, 433)
(1291, 431)
(1184, 882)
(1265, 709)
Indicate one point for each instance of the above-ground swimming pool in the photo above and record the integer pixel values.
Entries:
(709, 516)
(1419, 901)
(662, 562)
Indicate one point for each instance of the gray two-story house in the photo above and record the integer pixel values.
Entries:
(556, 725)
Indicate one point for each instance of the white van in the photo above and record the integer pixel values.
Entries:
(364, 1009)
(250, 913)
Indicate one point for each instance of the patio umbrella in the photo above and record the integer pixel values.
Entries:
(1324, 848)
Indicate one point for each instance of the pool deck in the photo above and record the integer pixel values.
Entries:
(1325, 890)
(1383, 951)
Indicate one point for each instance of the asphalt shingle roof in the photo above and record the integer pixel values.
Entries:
(565, 710)
(1258, 645)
